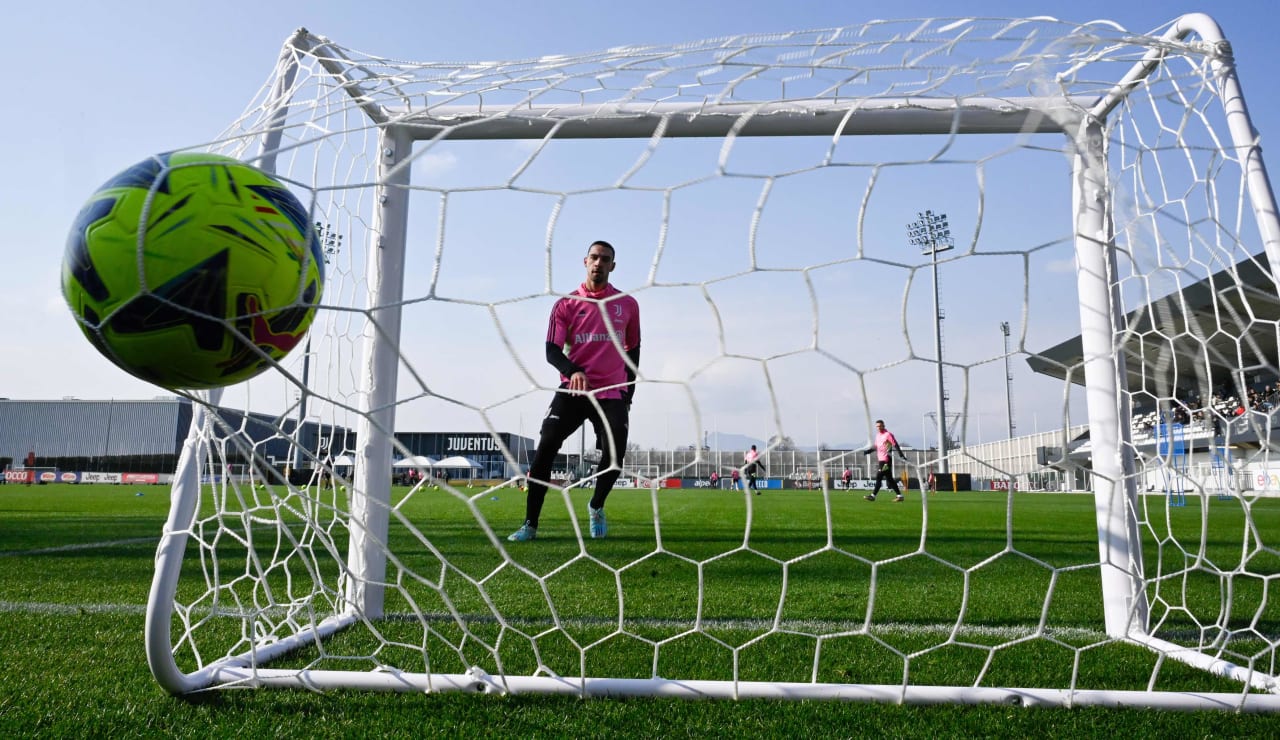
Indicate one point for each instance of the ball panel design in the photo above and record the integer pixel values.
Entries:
(193, 270)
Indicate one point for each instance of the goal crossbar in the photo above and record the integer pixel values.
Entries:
(874, 117)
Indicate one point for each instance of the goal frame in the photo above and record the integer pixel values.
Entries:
(1115, 493)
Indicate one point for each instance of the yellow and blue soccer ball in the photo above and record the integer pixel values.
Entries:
(193, 271)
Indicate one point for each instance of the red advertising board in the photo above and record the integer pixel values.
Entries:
(141, 478)
(19, 476)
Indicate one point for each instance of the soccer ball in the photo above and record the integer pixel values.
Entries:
(193, 271)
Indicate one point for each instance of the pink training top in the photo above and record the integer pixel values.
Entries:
(885, 442)
(578, 320)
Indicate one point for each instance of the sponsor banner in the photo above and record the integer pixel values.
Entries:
(19, 476)
(659, 482)
(1267, 480)
(695, 483)
(625, 483)
(48, 476)
(99, 477)
(999, 484)
(764, 484)
(140, 477)
(68, 477)
(805, 479)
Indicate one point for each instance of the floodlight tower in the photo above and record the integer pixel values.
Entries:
(1008, 377)
(931, 233)
(330, 245)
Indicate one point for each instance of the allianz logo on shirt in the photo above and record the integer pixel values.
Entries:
(590, 336)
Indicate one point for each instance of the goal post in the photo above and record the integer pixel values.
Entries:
(349, 585)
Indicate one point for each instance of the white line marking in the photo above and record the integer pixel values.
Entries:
(30, 607)
(81, 546)
(807, 627)
(813, 628)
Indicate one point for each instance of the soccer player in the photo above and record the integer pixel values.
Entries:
(847, 478)
(885, 444)
(752, 463)
(594, 370)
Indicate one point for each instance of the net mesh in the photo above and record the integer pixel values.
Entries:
(782, 302)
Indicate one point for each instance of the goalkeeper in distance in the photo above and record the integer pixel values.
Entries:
(597, 382)
(884, 445)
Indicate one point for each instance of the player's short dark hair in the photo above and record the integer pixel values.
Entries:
(879, 421)
(612, 252)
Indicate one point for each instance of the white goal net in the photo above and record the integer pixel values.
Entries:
(822, 228)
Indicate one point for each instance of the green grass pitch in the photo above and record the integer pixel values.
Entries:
(76, 564)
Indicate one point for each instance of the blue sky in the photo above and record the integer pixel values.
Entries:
(96, 87)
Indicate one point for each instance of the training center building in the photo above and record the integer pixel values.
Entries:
(138, 441)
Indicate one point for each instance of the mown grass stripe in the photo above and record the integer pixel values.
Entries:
(79, 546)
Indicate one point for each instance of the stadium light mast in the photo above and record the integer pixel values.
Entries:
(1008, 378)
(330, 245)
(931, 233)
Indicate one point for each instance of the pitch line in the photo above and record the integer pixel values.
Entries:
(814, 628)
(36, 607)
(750, 625)
(81, 546)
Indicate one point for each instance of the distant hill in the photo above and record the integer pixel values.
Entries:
(722, 441)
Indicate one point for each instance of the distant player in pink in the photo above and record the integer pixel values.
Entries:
(752, 466)
(593, 339)
(884, 445)
(847, 478)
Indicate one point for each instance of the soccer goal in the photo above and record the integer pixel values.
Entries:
(777, 202)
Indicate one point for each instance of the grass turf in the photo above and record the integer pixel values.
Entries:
(76, 562)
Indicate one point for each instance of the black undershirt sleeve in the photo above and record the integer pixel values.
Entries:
(560, 361)
(630, 391)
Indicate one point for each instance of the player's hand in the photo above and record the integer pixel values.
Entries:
(578, 382)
